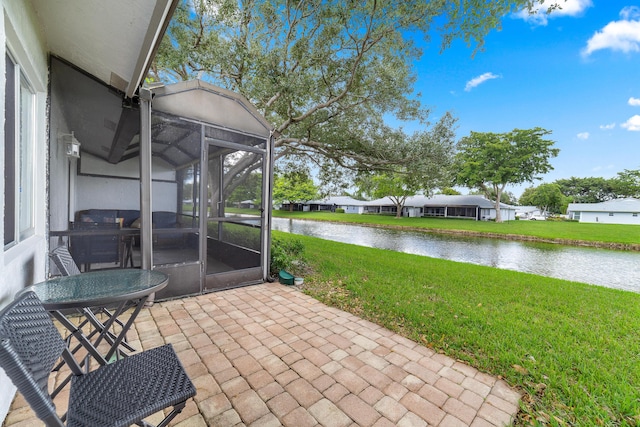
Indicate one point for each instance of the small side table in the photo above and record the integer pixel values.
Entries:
(83, 293)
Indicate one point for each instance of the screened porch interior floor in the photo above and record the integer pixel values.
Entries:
(168, 256)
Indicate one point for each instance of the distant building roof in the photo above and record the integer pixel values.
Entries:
(338, 201)
(629, 204)
(443, 200)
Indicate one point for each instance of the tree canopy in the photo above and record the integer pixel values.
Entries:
(590, 189)
(547, 197)
(490, 161)
(598, 189)
(587, 190)
(293, 187)
(327, 74)
(627, 183)
(432, 153)
(249, 189)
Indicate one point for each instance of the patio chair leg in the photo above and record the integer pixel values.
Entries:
(175, 411)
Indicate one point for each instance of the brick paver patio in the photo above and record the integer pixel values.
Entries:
(269, 355)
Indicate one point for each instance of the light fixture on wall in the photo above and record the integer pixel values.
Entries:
(71, 145)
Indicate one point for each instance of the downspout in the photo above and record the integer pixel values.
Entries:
(146, 249)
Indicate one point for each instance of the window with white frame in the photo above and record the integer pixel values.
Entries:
(19, 143)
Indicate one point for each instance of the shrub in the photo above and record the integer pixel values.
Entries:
(339, 210)
(286, 254)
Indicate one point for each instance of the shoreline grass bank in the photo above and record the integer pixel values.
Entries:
(572, 348)
(607, 236)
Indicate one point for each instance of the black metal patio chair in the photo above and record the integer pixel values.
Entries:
(121, 393)
(67, 266)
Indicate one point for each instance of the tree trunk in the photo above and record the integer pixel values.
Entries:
(399, 207)
(498, 196)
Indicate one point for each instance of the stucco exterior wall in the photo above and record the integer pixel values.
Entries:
(26, 262)
(353, 209)
(607, 218)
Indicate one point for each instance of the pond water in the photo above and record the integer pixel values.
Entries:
(604, 267)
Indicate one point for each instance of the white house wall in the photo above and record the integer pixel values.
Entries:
(104, 189)
(115, 193)
(605, 218)
(26, 262)
(352, 209)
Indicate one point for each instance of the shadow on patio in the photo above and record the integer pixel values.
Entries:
(268, 355)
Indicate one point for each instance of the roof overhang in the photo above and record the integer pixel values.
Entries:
(114, 41)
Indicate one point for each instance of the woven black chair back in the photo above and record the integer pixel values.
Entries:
(118, 394)
(30, 345)
(64, 261)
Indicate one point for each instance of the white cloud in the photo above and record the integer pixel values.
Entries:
(567, 8)
(479, 80)
(634, 102)
(630, 13)
(608, 127)
(583, 135)
(633, 124)
(623, 35)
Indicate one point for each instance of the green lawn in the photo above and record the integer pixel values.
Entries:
(573, 349)
(562, 231)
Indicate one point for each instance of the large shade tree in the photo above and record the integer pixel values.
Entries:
(432, 156)
(293, 187)
(588, 190)
(627, 183)
(327, 73)
(491, 161)
(547, 197)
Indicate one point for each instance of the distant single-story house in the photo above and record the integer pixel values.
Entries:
(471, 207)
(618, 211)
(349, 204)
(447, 206)
(291, 206)
(459, 206)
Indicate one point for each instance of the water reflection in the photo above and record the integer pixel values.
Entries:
(614, 269)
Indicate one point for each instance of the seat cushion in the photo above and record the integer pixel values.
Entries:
(100, 216)
(128, 390)
(128, 216)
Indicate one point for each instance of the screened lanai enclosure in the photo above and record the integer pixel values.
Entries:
(176, 180)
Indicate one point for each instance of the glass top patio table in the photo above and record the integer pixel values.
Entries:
(92, 292)
(98, 288)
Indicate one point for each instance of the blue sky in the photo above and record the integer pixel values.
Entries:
(575, 72)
